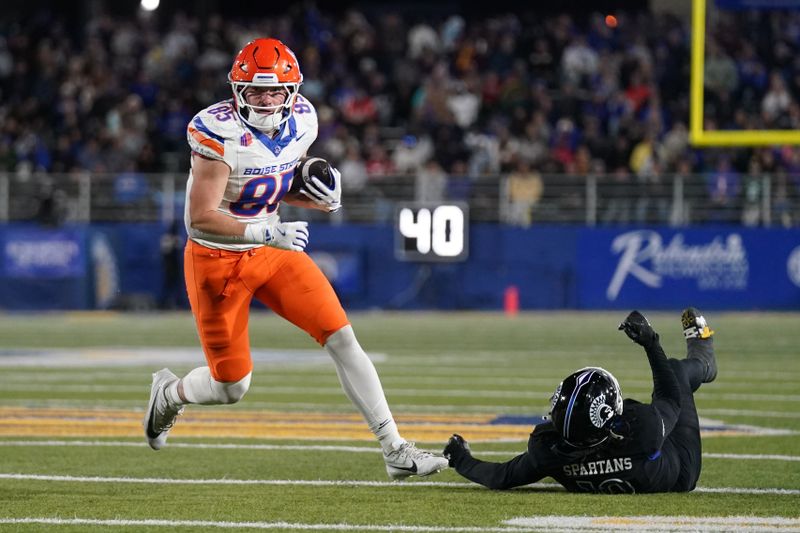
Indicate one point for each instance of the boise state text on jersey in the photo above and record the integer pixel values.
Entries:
(261, 166)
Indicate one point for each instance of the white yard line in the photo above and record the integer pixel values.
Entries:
(656, 523)
(204, 524)
(335, 483)
(323, 448)
(751, 413)
(393, 391)
(520, 524)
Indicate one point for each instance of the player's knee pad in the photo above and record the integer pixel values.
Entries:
(230, 392)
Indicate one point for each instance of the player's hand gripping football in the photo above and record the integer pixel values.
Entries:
(287, 236)
(638, 329)
(456, 448)
(321, 194)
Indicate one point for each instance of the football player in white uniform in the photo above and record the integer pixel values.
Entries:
(244, 152)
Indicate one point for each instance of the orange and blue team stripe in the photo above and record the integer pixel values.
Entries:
(88, 422)
(206, 137)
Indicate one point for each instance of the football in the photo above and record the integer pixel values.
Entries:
(308, 167)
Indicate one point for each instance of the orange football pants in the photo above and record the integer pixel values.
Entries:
(221, 285)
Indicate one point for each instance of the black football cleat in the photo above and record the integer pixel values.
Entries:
(694, 324)
(699, 342)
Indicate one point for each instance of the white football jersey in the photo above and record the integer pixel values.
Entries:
(261, 166)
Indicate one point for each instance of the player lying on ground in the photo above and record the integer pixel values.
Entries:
(596, 442)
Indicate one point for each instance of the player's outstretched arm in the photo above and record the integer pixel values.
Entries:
(666, 391)
(499, 476)
(639, 330)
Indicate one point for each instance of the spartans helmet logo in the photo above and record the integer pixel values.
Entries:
(600, 411)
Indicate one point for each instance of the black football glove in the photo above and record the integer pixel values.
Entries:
(639, 329)
(456, 448)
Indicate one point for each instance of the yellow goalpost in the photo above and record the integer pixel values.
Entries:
(697, 135)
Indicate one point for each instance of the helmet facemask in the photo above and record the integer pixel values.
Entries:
(265, 118)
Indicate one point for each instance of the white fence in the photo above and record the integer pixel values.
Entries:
(533, 199)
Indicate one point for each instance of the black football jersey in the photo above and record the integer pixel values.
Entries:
(643, 459)
(632, 465)
(641, 462)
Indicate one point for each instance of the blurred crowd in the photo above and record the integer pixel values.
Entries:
(424, 95)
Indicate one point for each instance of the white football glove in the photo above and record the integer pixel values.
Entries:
(285, 235)
(320, 194)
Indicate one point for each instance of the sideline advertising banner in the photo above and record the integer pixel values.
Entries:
(43, 268)
(43, 253)
(558, 267)
(723, 268)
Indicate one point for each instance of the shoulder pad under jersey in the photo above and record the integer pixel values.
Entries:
(208, 129)
(305, 116)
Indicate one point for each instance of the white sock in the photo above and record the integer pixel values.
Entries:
(200, 387)
(197, 386)
(362, 385)
(171, 392)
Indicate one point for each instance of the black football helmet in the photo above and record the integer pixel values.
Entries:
(583, 405)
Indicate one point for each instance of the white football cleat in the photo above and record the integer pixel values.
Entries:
(161, 413)
(408, 460)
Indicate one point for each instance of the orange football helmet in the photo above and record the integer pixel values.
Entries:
(265, 63)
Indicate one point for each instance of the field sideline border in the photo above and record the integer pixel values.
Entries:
(325, 448)
(554, 487)
(519, 524)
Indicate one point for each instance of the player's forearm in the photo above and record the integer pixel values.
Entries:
(215, 223)
(497, 476)
(215, 227)
(665, 384)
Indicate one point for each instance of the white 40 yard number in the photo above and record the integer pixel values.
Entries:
(437, 233)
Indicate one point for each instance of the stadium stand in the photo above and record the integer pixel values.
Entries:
(530, 117)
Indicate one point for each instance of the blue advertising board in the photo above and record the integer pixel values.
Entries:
(723, 268)
(43, 253)
(43, 268)
(119, 265)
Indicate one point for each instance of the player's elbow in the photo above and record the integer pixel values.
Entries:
(200, 218)
(207, 221)
(498, 485)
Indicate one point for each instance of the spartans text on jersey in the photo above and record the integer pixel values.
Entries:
(605, 466)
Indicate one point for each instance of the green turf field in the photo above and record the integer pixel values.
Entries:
(294, 455)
